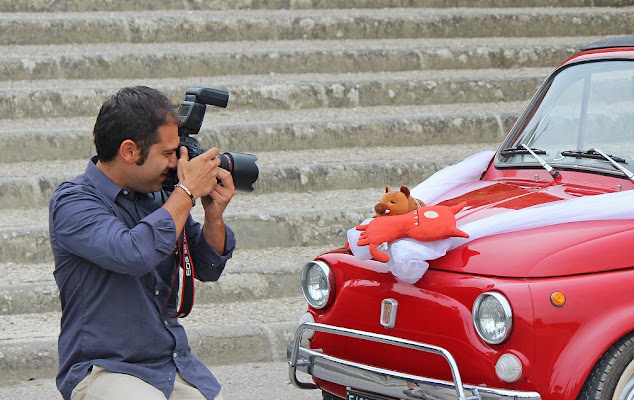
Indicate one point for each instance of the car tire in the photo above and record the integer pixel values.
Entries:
(612, 378)
(329, 396)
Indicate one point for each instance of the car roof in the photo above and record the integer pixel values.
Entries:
(618, 47)
(625, 41)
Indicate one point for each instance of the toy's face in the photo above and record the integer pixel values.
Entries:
(393, 203)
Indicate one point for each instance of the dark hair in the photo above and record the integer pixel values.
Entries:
(133, 113)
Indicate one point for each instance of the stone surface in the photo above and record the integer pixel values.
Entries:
(337, 98)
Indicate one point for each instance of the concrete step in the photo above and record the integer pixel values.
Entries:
(168, 60)
(255, 131)
(280, 218)
(31, 184)
(234, 25)
(273, 261)
(323, 91)
(261, 222)
(134, 5)
(256, 274)
(76, 98)
(219, 334)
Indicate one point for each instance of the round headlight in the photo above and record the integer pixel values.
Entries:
(493, 317)
(318, 284)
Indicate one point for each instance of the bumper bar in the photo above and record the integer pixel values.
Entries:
(382, 381)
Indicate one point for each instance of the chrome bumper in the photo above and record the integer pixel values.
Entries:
(381, 381)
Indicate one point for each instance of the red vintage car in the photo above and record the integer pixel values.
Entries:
(538, 302)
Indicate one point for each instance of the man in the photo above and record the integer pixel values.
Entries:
(113, 232)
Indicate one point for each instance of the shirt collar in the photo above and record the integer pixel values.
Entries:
(106, 186)
(101, 182)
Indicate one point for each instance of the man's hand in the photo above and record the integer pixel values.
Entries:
(216, 202)
(199, 174)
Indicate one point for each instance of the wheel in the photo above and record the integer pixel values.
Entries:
(329, 396)
(612, 378)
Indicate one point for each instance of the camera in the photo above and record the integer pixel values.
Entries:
(191, 112)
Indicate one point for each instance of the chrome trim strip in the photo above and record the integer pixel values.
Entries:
(382, 381)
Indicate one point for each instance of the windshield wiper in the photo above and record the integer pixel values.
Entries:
(592, 153)
(524, 149)
(543, 163)
(599, 155)
(520, 149)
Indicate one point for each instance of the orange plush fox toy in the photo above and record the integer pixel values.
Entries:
(397, 203)
(425, 224)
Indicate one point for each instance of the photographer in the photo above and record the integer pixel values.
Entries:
(114, 232)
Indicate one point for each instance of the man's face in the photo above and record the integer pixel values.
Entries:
(161, 158)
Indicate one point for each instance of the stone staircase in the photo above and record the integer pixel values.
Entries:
(337, 98)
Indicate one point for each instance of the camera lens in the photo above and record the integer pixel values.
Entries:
(242, 168)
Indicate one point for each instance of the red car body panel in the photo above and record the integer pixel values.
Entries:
(575, 259)
(557, 250)
(572, 338)
(590, 262)
(358, 303)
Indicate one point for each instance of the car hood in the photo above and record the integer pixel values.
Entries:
(553, 250)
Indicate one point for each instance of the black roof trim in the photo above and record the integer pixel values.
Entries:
(625, 41)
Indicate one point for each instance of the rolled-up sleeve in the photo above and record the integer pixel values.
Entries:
(87, 227)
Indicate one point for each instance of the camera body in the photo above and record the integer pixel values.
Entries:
(191, 113)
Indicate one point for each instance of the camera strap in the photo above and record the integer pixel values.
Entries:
(180, 306)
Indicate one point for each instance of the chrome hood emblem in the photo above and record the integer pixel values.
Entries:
(388, 313)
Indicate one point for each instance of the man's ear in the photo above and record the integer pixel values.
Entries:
(129, 151)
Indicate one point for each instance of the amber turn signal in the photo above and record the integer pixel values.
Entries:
(558, 299)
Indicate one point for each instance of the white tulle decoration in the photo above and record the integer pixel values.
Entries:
(468, 170)
(408, 257)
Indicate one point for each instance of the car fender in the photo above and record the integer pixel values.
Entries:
(585, 347)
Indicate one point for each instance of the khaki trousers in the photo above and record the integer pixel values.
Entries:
(101, 384)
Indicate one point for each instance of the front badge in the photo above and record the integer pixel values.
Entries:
(388, 313)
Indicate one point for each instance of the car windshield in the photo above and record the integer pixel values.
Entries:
(585, 107)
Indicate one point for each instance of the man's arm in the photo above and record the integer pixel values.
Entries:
(217, 241)
(215, 204)
(199, 177)
(209, 263)
(83, 225)
(214, 233)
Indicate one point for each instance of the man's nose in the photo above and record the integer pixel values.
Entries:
(173, 160)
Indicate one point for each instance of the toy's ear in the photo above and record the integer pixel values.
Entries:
(405, 190)
(387, 189)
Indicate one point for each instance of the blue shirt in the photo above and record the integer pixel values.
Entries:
(114, 265)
